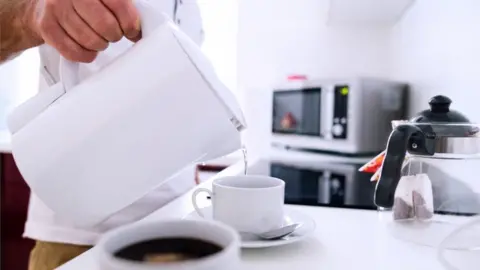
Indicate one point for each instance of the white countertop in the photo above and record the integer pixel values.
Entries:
(344, 239)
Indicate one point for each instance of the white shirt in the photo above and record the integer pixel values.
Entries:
(42, 223)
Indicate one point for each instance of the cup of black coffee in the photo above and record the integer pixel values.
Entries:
(170, 245)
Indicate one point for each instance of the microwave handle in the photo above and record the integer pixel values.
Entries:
(324, 192)
(326, 111)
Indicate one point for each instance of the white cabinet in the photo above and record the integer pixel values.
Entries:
(367, 12)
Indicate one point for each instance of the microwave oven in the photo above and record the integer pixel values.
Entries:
(344, 116)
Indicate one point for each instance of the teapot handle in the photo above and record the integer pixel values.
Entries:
(392, 164)
(150, 20)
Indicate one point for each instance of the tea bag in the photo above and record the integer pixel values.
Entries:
(413, 198)
(422, 196)
(414, 194)
(403, 203)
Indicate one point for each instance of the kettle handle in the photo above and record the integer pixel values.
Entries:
(150, 20)
(392, 164)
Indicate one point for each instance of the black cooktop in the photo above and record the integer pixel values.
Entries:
(321, 183)
(341, 185)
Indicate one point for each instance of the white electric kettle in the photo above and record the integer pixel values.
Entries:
(89, 149)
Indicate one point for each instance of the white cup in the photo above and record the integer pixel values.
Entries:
(210, 231)
(247, 203)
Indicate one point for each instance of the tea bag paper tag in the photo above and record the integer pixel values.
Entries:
(422, 196)
(403, 203)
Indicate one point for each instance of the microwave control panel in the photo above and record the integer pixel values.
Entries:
(340, 111)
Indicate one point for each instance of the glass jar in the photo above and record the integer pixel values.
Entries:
(428, 185)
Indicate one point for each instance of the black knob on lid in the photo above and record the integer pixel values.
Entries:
(440, 104)
(440, 112)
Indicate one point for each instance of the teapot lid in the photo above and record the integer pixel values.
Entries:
(440, 112)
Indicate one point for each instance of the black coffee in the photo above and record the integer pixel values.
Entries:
(166, 250)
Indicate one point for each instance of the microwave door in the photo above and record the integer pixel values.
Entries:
(327, 110)
(297, 112)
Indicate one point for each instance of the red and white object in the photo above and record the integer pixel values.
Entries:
(375, 166)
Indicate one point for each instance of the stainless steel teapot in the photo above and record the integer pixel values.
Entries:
(436, 135)
(428, 185)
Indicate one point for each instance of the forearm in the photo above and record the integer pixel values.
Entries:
(17, 20)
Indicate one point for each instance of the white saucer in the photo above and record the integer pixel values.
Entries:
(291, 216)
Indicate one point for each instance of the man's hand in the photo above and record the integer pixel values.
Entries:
(78, 29)
(16, 31)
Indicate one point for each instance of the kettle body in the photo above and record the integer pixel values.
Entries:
(89, 149)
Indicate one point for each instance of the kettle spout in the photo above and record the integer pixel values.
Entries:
(225, 143)
(238, 124)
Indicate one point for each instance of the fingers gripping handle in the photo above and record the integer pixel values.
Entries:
(194, 200)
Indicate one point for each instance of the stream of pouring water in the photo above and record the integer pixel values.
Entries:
(245, 159)
(245, 163)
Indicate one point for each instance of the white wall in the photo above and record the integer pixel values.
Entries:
(436, 47)
(281, 37)
(220, 23)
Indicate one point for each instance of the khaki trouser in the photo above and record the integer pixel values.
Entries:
(48, 256)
